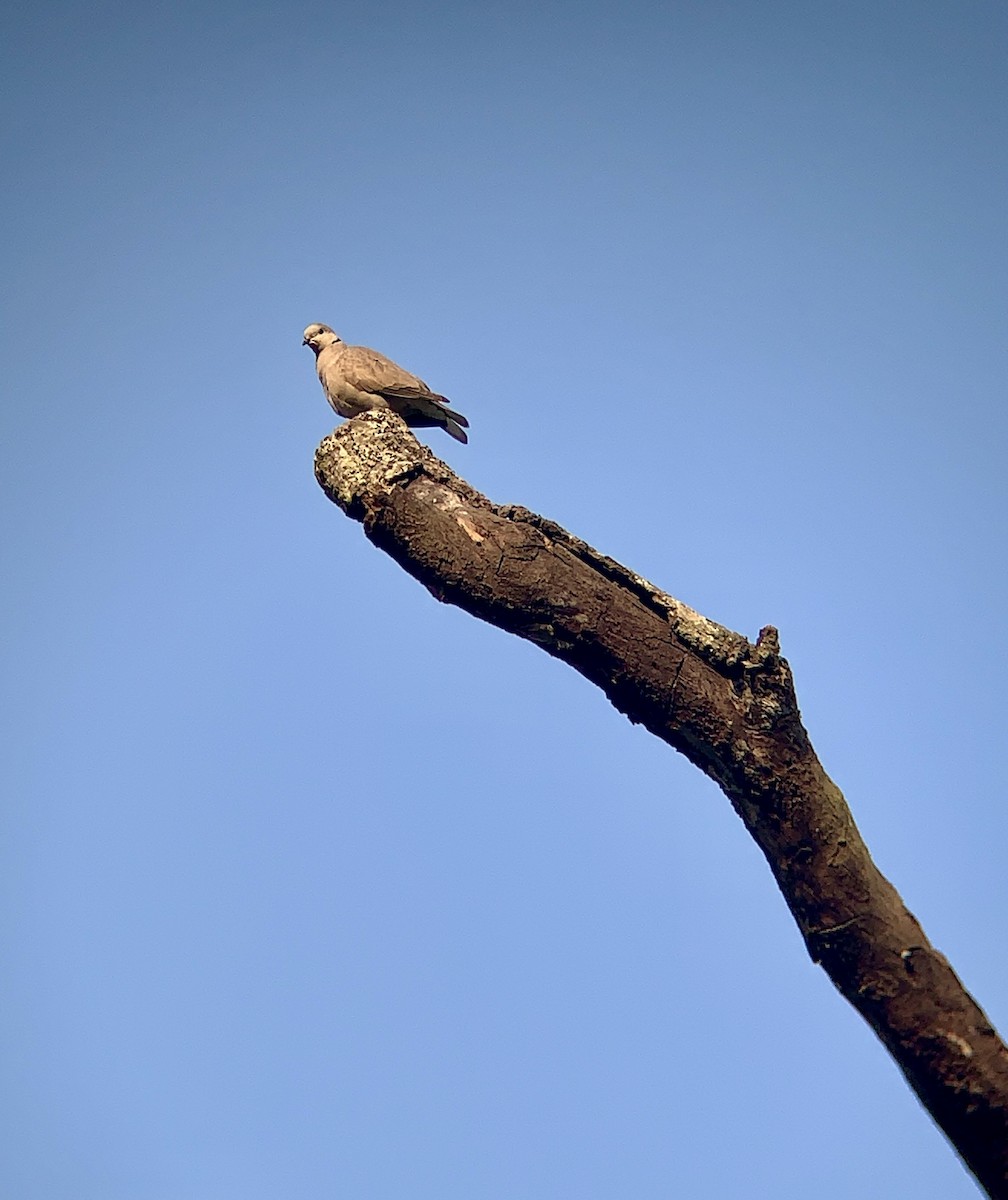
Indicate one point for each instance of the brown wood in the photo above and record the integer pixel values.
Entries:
(727, 704)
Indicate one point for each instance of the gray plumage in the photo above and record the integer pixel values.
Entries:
(356, 379)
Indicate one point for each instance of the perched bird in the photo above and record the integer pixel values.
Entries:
(356, 379)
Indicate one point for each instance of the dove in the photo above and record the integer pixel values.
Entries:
(356, 379)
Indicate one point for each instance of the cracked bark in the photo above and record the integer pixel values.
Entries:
(729, 705)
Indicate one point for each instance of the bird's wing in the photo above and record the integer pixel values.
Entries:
(373, 372)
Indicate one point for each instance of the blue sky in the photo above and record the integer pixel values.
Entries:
(314, 887)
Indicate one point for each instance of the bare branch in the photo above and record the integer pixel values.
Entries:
(727, 704)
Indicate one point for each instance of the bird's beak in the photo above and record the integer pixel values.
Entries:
(304, 341)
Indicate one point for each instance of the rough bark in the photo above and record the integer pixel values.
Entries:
(729, 705)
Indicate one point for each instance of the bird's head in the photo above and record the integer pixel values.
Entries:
(318, 337)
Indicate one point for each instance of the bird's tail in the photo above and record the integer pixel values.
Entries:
(455, 424)
(434, 410)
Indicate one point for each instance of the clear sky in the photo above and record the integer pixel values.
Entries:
(313, 887)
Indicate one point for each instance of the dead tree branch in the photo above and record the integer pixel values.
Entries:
(727, 704)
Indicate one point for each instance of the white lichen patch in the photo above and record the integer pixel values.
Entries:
(960, 1043)
(367, 457)
(465, 523)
